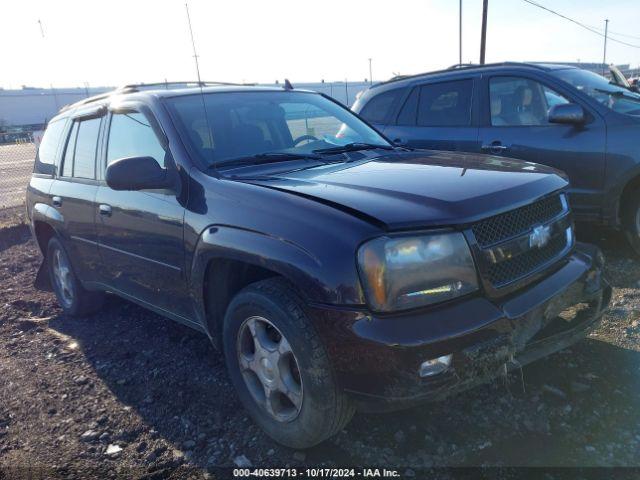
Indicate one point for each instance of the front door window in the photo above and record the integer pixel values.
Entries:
(519, 101)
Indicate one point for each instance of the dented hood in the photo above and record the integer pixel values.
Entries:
(415, 189)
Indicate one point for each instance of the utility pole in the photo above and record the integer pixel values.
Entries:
(460, 36)
(370, 74)
(483, 39)
(604, 58)
(193, 44)
(346, 91)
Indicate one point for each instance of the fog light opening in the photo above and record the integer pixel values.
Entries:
(435, 366)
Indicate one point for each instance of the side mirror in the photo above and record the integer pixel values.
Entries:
(567, 113)
(137, 173)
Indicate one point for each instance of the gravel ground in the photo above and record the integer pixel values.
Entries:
(128, 393)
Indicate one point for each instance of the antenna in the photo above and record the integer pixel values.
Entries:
(53, 90)
(193, 43)
(204, 106)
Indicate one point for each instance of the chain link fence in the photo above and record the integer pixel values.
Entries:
(16, 165)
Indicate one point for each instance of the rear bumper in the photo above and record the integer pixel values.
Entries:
(377, 359)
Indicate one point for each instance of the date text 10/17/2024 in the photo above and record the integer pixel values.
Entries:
(315, 473)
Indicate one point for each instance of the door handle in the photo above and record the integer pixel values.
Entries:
(56, 201)
(400, 141)
(494, 147)
(105, 210)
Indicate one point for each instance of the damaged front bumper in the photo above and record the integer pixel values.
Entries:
(377, 359)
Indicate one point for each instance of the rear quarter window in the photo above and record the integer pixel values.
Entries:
(378, 109)
(48, 150)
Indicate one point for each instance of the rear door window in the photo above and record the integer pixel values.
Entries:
(67, 163)
(84, 160)
(80, 154)
(446, 104)
(378, 109)
(409, 111)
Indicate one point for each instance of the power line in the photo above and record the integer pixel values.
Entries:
(623, 35)
(617, 33)
(580, 24)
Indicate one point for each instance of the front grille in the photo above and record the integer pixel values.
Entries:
(518, 267)
(516, 222)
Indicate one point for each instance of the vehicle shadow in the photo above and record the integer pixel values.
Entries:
(13, 235)
(169, 376)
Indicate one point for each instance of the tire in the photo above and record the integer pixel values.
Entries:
(322, 409)
(72, 297)
(631, 220)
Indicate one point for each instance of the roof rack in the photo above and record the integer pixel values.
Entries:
(136, 87)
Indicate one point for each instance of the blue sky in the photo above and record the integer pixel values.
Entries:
(115, 42)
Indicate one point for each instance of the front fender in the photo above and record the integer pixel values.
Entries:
(316, 281)
(612, 208)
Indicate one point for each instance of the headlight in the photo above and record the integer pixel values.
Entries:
(405, 272)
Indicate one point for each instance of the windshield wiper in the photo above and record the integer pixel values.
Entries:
(266, 157)
(353, 147)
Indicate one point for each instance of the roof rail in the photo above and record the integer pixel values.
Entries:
(85, 101)
(187, 83)
(461, 66)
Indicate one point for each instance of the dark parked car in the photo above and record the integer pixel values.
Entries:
(564, 117)
(335, 271)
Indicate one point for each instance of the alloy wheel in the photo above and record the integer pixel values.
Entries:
(62, 277)
(270, 369)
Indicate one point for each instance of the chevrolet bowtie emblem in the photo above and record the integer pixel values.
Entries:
(540, 236)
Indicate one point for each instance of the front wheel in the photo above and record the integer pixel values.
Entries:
(72, 297)
(280, 368)
(631, 220)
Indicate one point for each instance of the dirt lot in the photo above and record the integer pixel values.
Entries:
(156, 395)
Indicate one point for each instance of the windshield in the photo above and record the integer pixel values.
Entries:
(241, 125)
(616, 98)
